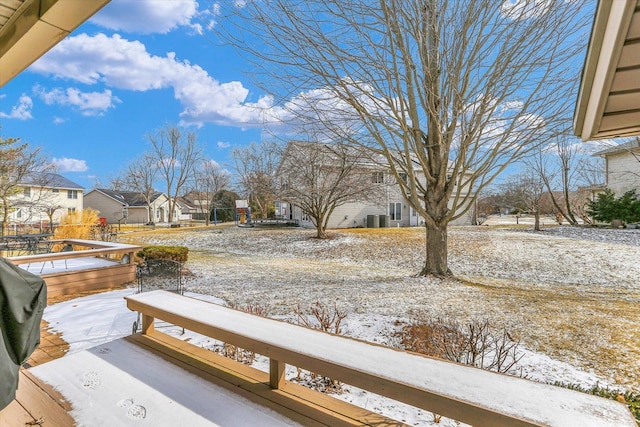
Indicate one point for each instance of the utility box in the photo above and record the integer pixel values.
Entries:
(384, 221)
(373, 221)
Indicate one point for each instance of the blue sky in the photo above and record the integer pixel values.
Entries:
(133, 68)
(130, 70)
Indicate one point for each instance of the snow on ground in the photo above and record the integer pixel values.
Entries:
(570, 295)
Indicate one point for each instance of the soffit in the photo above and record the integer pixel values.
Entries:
(29, 28)
(609, 99)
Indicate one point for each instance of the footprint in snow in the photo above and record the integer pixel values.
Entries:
(134, 411)
(91, 380)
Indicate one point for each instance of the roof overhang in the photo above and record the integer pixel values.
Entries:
(609, 99)
(29, 28)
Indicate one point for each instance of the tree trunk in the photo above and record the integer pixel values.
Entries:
(536, 226)
(321, 232)
(436, 246)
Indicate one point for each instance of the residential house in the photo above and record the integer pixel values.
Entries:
(622, 167)
(128, 207)
(385, 204)
(186, 209)
(45, 198)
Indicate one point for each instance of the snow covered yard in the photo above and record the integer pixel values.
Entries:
(570, 295)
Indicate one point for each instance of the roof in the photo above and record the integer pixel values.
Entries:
(129, 198)
(608, 102)
(50, 180)
(628, 146)
(29, 28)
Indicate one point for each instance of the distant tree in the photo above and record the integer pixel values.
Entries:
(140, 177)
(256, 166)
(452, 91)
(224, 203)
(209, 179)
(525, 191)
(17, 164)
(176, 155)
(318, 178)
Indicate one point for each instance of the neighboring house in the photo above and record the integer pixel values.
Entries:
(45, 197)
(185, 209)
(199, 204)
(127, 207)
(622, 167)
(386, 199)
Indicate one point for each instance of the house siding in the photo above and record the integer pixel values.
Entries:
(623, 172)
(107, 207)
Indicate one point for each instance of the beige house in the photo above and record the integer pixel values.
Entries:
(45, 198)
(127, 207)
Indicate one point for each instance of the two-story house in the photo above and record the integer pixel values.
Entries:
(44, 198)
(128, 207)
(385, 202)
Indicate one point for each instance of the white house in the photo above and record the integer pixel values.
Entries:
(622, 167)
(45, 198)
(385, 206)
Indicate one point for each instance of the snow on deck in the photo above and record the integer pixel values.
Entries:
(121, 384)
(551, 405)
(72, 264)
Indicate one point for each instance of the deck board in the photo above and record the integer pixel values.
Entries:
(36, 403)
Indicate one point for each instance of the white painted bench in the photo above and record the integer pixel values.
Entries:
(471, 395)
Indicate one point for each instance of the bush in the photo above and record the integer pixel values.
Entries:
(175, 253)
(607, 207)
(476, 343)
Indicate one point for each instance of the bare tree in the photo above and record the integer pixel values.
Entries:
(320, 177)
(141, 176)
(448, 92)
(19, 165)
(176, 155)
(256, 166)
(209, 179)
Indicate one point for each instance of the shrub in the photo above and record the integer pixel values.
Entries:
(175, 253)
(476, 343)
(607, 207)
(76, 225)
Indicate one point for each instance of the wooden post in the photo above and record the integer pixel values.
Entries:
(276, 373)
(147, 324)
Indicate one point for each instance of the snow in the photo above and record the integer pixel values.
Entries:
(119, 384)
(569, 294)
(501, 393)
(94, 323)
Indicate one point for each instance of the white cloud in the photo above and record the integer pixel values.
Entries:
(89, 103)
(58, 120)
(20, 111)
(525, 9)
(222, 144)
(70, 165)
(146, 16)
(125, 64)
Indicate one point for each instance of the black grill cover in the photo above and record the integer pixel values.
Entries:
(23, 297)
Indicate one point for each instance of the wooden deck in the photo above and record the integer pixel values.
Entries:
(36, 404)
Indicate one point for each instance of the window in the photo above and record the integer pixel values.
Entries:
(55, 190)
(403, 176)
(377, 178)
(395, 211)
(27, 192)
(19, 213)
(71, 211)
(72, 194)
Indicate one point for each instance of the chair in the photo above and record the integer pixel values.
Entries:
(66, 248)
